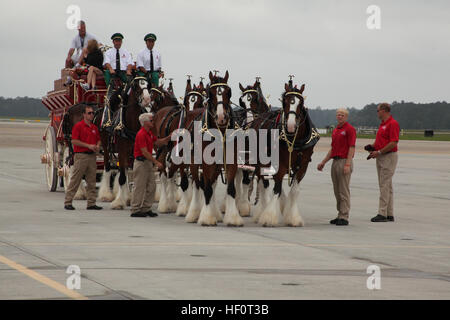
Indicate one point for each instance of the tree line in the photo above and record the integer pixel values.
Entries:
(410, 115)
(22, 107)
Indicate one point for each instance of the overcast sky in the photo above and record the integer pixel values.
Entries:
(325, 44)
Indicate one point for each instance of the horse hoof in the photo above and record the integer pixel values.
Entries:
(266, 225)
(235, 225)
(117, 207)
(106, 199)
(244, 209)
(295, 225)
(209, 225)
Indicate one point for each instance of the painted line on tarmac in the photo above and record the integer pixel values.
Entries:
(42, 279)
(227, 244)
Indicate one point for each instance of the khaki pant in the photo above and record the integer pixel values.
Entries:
(144, 186)
(84, 165)
(341, 186)
(386, 164)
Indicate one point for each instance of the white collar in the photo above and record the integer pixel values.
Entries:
(85, 36)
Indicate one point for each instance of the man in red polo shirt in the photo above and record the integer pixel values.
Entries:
(86, 143)
(143, 176)
(385, 151)
(342, 150)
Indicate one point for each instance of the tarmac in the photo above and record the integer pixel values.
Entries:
(120, 257)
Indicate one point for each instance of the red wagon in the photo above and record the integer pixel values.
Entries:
(59, 101)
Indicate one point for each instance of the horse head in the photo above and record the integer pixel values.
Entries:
(116, 99)
(159, 98)
(252, 101)
(194, 97)
(219, 98)
(293, 112)
(139, 88)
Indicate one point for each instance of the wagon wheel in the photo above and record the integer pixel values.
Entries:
(51, 150)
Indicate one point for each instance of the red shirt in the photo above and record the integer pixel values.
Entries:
(143, 139)
(342, 139)
(85, 133)
(388, 131)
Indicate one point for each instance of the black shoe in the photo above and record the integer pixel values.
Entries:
(151, 214)
(379, 218)
(69, 207)
(391, 218)
(342, 222)
(94, 207)
(334, 221)
(139, 215)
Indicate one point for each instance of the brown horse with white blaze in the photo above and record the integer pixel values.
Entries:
(297, 138)
(218, 115)
(167, 120)
(253, 104)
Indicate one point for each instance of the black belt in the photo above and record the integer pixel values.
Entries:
(140, 158)
(86, 152)
(337, 158)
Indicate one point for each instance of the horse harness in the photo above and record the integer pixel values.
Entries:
(231, 124)
(117, 124)
(170, 116)
(291, 141)
(161, 95)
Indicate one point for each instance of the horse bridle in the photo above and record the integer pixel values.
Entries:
(160, 95)
(285, 115)
(190, 93)
(255, 113)
(214, 114)
(140, 96)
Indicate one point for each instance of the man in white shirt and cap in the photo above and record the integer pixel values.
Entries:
(117, 62)
(78, 46)
(148, 61)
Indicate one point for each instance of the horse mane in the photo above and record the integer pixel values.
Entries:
(261, 99)
(217, 79)
(261, 96)
(116, 97)
(172, 96)
(294, 89)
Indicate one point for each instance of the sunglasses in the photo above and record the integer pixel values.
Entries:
(90, 112)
